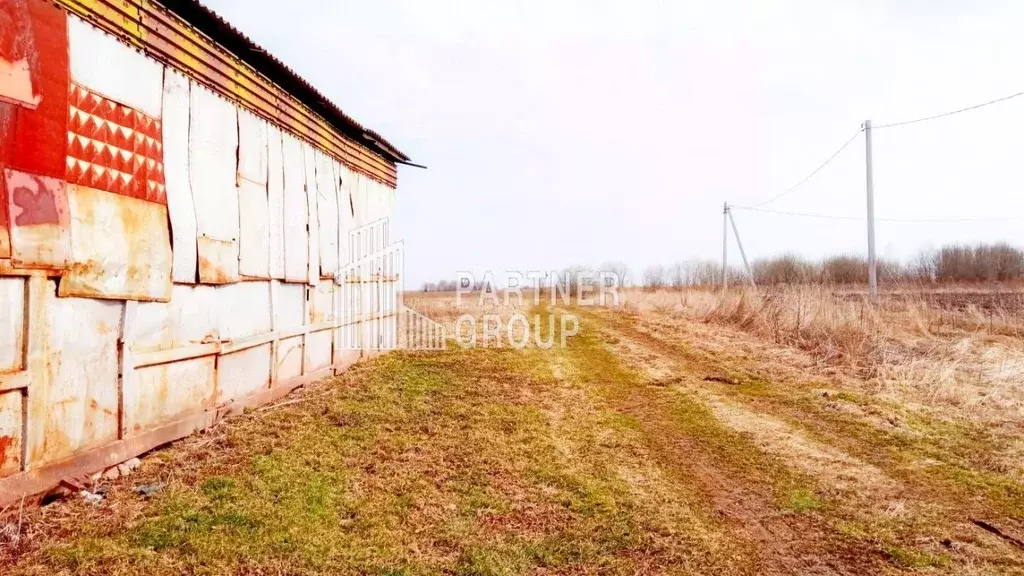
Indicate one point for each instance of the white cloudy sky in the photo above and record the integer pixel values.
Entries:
(581, 131)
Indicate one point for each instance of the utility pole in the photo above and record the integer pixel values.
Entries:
(725, 247)
(872, 270)
(746, 265)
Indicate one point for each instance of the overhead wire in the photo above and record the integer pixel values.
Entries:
(813, 172)
(859, 218)
(944, 114)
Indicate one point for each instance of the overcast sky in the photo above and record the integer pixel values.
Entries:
(562, 132)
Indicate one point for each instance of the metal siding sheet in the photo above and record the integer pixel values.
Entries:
(213, 157)
(243, 373)
(275, 203)
(244, 309)
(80, 392)
(39, 220)
(346, 214)
(327, 213)
(12, 324)
(296, 213)
(176, 174)
(289, 309)
(10, 432)
(254, 237)
(121, 247)
(252, 147)
(309, 160)
(322, 299)
(191, 317)
(103, 64)
(157, 394)
(318, 350)
(289, 359)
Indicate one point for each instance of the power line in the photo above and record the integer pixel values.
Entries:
(811, 175)
(861, 219)
(944, 114)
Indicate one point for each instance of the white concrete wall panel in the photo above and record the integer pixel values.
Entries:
(243, 373)
(158, 394)
(243, 309)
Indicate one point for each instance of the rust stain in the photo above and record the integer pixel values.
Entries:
(6, 443)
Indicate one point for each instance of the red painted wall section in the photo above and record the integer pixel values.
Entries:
(34, 67)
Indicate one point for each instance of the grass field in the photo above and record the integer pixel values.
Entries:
(790, 432)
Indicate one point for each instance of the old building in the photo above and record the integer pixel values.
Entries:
(187, 228)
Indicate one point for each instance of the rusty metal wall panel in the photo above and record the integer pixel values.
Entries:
(243, 373)
(77, 403)
(313, 221)
(244, 309)
(296, 213)
(213, 140)
(10, 432)
(275, 202)
(12, 324)
(167, 38)
(121, 247)
(39, 220)
(182, 211)
(157, 394)
(327, 212)
(103, 64)
(189, 318)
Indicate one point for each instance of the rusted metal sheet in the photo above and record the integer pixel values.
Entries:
(101, 63)
(121, 248)
(39, 220)
(313, 221)
(182, 211)
(244, 309)
(189, 318)
(213, 139)
(10, 432)
(289, 358)
(158, 394)
(346, 212)
(322, 303)
(252, 147)
(76, 405)
(243, 373)
(275, 202)
(12, 325)
(289, 314)
(296, 213)
(167, 38)
(327, 213)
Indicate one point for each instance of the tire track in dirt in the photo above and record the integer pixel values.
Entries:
(785, 543)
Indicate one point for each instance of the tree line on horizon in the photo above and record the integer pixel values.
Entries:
(955, 263)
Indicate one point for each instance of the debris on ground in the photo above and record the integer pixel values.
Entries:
(149, 489)
(91, 497)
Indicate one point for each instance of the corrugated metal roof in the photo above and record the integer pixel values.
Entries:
(219, 30)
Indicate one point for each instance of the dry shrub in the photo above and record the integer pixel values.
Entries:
(955, 351)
